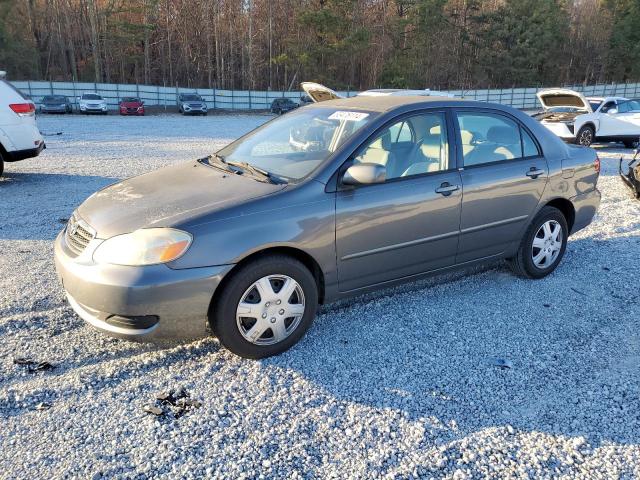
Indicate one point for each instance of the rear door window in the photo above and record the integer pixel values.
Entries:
(488, 137)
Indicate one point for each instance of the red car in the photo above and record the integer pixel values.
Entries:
(131, 106)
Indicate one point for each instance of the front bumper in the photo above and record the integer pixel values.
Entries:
(560, 129)
(105, 294)
(585, 206)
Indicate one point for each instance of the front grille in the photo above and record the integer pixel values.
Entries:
(78, 234)
(195, 105)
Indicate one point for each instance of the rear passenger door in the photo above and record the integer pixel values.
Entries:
(503, 176)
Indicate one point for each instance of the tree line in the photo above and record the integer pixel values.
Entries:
(347, 44)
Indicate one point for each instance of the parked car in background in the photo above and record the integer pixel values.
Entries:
(283, 105)
(55, 104)
(92, 103)
(373, 191)
(131, 106)
(305, 100)
(191, 104)
(19, 134)
(317, 92)
(584, 121)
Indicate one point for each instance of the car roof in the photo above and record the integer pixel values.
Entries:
(390, 102)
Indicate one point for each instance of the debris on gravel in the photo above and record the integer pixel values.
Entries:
(396, 384)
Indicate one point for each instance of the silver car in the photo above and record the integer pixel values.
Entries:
(328, 201)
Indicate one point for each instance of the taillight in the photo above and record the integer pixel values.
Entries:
(596, 164)
(23, 108)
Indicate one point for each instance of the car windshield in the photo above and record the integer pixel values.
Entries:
(594, 104)
(629, 106)
(91, 96)
(130, 99)
(293, 145)
(191, 98)
(565, 109)
(54, 99)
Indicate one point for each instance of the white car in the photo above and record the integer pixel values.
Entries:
(19, 134)
(92, 103)
(320, 93)
(577, 119)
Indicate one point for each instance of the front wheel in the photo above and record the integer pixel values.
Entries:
(542, 246)
(585, 136)
(265, 307)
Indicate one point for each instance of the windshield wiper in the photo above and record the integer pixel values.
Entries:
(257, 172)
(217, 161)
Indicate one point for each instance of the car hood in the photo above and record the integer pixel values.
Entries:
(130, 104)
(318, 92)
(167, 197)
(92, 102)
(562, 97)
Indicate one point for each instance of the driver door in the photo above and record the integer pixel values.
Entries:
(409, 224)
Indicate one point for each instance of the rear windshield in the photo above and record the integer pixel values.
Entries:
(91, 96)
(24, 97)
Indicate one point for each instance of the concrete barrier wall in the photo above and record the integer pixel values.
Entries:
(165, 97)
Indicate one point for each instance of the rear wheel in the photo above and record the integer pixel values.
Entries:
(585, 136)
(542, 246)
(630, 143)
(265, 307)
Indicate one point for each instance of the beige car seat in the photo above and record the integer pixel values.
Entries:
(378, 152)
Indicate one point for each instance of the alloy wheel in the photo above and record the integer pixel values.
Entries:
(547, 244)
(270, 310)
(586, 137)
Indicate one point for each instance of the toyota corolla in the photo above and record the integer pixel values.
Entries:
(329, 201)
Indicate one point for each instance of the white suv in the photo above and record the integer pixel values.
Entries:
(92, 103)
(19, 135)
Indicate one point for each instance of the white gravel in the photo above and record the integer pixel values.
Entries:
(481, 375)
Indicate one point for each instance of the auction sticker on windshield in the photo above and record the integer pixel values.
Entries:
(345, 115)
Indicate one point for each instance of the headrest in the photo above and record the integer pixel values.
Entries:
(502, 135)
(383, 142)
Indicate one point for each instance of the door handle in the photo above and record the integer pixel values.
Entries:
(534, 172)
(446, 189)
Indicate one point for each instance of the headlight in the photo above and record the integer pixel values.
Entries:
(147, 246)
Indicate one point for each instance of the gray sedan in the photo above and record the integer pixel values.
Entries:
(328, 201)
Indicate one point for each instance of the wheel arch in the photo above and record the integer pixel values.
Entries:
(306, 259)
(566, 208)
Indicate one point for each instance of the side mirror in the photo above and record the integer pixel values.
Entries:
(364, 174)
(612, 111)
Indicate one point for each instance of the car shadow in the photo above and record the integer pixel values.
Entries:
(53, 196)
(469, 353)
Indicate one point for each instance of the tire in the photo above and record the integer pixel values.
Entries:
(586, 136)
(1, 165)
(233, 328)
(524, 263)
(630, 143)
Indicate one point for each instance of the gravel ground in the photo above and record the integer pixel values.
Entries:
(467, 376)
